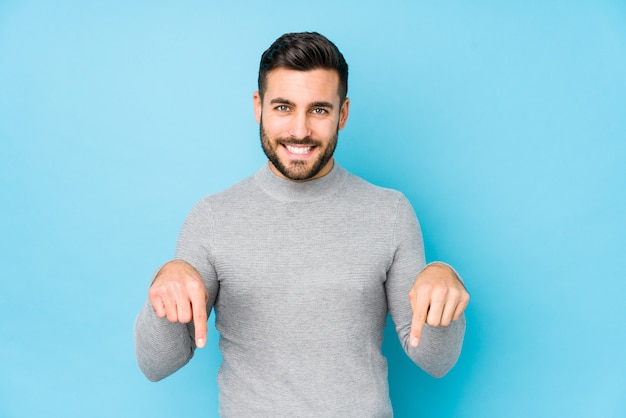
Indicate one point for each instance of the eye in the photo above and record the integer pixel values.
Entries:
(320, 111)
(282, 108)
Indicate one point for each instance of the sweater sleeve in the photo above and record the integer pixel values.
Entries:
(163, 347)
(439, 347)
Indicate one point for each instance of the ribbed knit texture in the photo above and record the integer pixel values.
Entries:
(301, 276)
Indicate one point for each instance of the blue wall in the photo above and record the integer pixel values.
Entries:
(503, 122)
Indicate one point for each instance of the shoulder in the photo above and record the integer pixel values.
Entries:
(385, 203)
(227, 200)
(364, 190)
(231, 194)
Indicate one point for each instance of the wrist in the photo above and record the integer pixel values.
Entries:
(165, 267)
(444, 267)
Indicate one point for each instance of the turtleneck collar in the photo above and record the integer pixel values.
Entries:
(287, 190)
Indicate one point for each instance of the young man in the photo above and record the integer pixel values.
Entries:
(302, 262)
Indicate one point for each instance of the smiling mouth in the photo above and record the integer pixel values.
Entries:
(300, 150)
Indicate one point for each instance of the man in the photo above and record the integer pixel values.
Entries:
(302, 262)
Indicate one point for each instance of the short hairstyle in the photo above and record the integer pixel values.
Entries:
(304, 51)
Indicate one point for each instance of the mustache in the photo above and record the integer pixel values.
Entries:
(298, 141)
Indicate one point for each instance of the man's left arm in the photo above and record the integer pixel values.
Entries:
(426, 302)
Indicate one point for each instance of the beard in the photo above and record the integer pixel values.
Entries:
(298, 170)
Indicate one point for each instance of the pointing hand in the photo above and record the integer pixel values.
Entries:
(437, 298)
(179, 294)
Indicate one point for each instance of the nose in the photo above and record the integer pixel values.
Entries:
(300, 126)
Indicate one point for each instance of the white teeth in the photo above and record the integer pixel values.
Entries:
(298, 150)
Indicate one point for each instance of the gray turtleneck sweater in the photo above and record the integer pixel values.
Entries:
(301, 277)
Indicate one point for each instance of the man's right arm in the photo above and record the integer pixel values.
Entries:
(173, 321)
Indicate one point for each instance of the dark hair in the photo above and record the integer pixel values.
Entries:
(304, 51)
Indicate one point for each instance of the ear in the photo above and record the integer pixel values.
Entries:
(258, 105)
(343, 113)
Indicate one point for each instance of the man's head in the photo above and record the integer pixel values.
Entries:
(301, 104)
(304, 51)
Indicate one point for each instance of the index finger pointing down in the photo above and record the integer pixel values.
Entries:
(420, 304)
(198, 307)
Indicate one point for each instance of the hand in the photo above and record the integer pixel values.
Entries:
(437, 298)
(179, 294)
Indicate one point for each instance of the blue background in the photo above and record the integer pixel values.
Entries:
(503, 122)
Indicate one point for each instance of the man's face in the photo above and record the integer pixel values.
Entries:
(299, 117)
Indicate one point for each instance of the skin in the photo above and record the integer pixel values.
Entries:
(300, 110)
(437, 298)
(300, 114)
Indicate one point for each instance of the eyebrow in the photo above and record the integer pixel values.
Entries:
(280, 100)
(322, 104)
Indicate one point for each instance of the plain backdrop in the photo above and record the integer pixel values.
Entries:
(504, 123)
